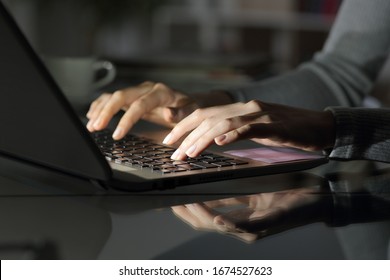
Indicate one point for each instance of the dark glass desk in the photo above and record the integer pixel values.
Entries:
(336, 211)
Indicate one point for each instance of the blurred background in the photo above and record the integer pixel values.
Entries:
(190, 44)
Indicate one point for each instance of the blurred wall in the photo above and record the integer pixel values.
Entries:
(288, 31)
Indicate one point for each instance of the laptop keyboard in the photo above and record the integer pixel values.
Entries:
(140, 152)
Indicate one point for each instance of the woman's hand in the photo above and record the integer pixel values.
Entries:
(255, 216)
(265, 123)
(155, 102)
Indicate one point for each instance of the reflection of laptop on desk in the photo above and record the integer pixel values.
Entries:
(39, 126)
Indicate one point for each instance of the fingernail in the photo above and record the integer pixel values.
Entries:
(97, 123)
(219, 222)
(89, 125)
(221, 138)
(175, 154)
(191, 150)
(167, 139)
(117, 133)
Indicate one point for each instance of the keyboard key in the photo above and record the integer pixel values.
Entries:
(140, 152)
(222, 163)
(154, 165)
(120, 160)
(165, 160)
(238, 162)
(179, 169)
(187, 166)
(165, 149)
(165, 171)
(205, 165)
(178, 162)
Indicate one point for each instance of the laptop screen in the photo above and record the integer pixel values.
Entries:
(37, 123)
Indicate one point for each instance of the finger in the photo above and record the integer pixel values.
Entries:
(214, 122)
(226, 202)
(196, 141)
(244, 225)
(198, 116)
(155, 98)
(204, 215)
(100, 103)
(202, 211)
(246, 236)
(185, 215)
(180, 211)
(95, 110)
(261, 201)
(232, 218)
(187, 124)
(117, 101)
(109, 109)
(173, 113)
(249, 131)
(188, 216)
(95, 105)
(209, 131)
(202, 137)
(245, 121)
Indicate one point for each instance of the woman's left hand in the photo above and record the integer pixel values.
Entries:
(266, 123)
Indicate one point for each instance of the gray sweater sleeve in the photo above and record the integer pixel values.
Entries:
(343, 73)
(362, 133)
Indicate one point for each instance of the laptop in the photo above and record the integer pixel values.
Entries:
(40, 126)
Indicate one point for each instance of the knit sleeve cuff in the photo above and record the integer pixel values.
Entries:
(361, 133)
(346, 127)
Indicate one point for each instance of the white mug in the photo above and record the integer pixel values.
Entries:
(76, 76)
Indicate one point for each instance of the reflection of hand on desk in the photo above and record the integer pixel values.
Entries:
(256, 216)
(351, 199)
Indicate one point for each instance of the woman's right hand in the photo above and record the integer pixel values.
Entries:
(151, 101)
(265, 123)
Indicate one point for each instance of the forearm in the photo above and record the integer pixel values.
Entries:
(343, 73)
(300, 88)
